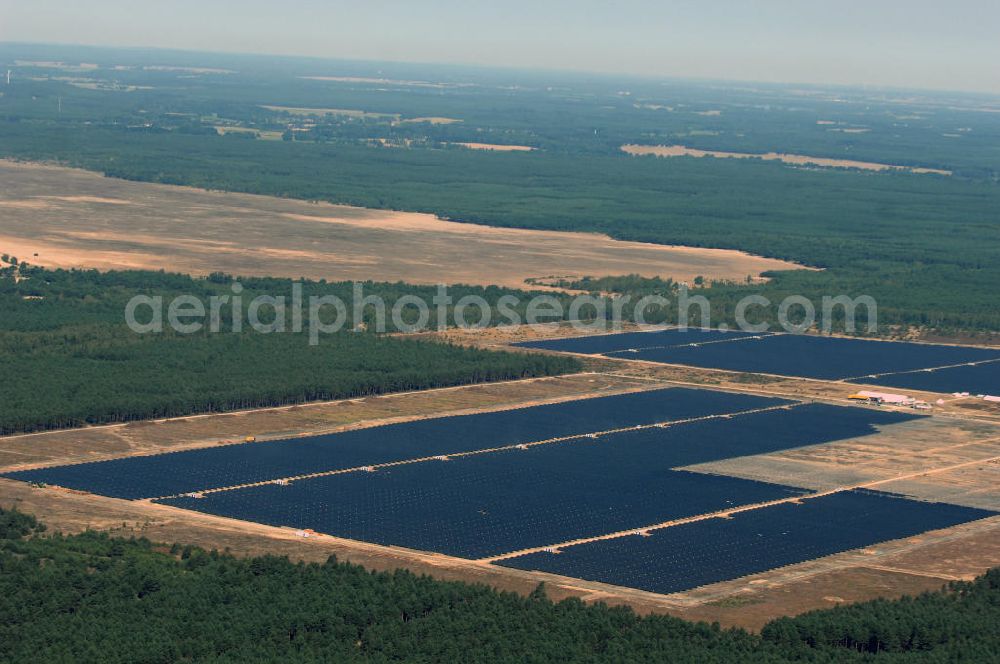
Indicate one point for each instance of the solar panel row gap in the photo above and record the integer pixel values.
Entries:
(694, 344)
(697, 554)
(807, 356)
(484, 505)
(604, 343)
(202, 469)
(926, 369)
(978, 378)
(594, 435)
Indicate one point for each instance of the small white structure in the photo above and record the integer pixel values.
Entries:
(991, 398)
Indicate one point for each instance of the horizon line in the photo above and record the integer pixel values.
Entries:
(649, 78)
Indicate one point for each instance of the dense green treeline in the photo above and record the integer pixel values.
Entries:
(91, 597)
(98, 375)
(821, 218)
(69, 359)
(43, 299)
(908, 625)
(927, 248)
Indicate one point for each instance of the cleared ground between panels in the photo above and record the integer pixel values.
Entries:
(598, 344)
(232, 465)
(489, 504)
(695, 554)
(978, 379)
(805, 356)
(501, 484)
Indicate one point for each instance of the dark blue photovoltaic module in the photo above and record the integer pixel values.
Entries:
(487, 504)
(824, 358)
(230, 465)
(978, 379)
(612, 343)
(806, 356)
(484, 505)
(695, 554)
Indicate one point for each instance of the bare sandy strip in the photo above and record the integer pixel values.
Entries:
(355, 113)
(435, 120)
(190, 70)
(496, 148)
(797, 159)
(61, 217)
(348, 112)
(382, 81)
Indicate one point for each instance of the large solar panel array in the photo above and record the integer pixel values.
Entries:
(979, 379)
(695, 554)
(494, 503)
(757, 433)
(825, 358)
(481, 506)
(610, 343)
(208, 468)
(534, 496)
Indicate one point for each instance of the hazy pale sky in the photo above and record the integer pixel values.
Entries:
(907, 43)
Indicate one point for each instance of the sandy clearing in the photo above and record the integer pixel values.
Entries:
(24, 205)
(195, 231)
(87, 199)
(349, 112)
(190, 70)
(796, 159)
(495, 147)
(223, 129)
(430, 120)
(58, 255)
(382, 81)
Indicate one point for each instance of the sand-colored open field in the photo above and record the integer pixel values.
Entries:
(263, 134)
(354, 113)
(347, 112)
(61, 217)
(434, 120)
(795, 159)
(383, 81)
(496, 148)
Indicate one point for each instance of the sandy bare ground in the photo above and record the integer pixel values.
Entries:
(383, 81)
(434, 120)
(49, 448)
(347, 112)
(496, 148)
(796, 159)
(61, 217)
